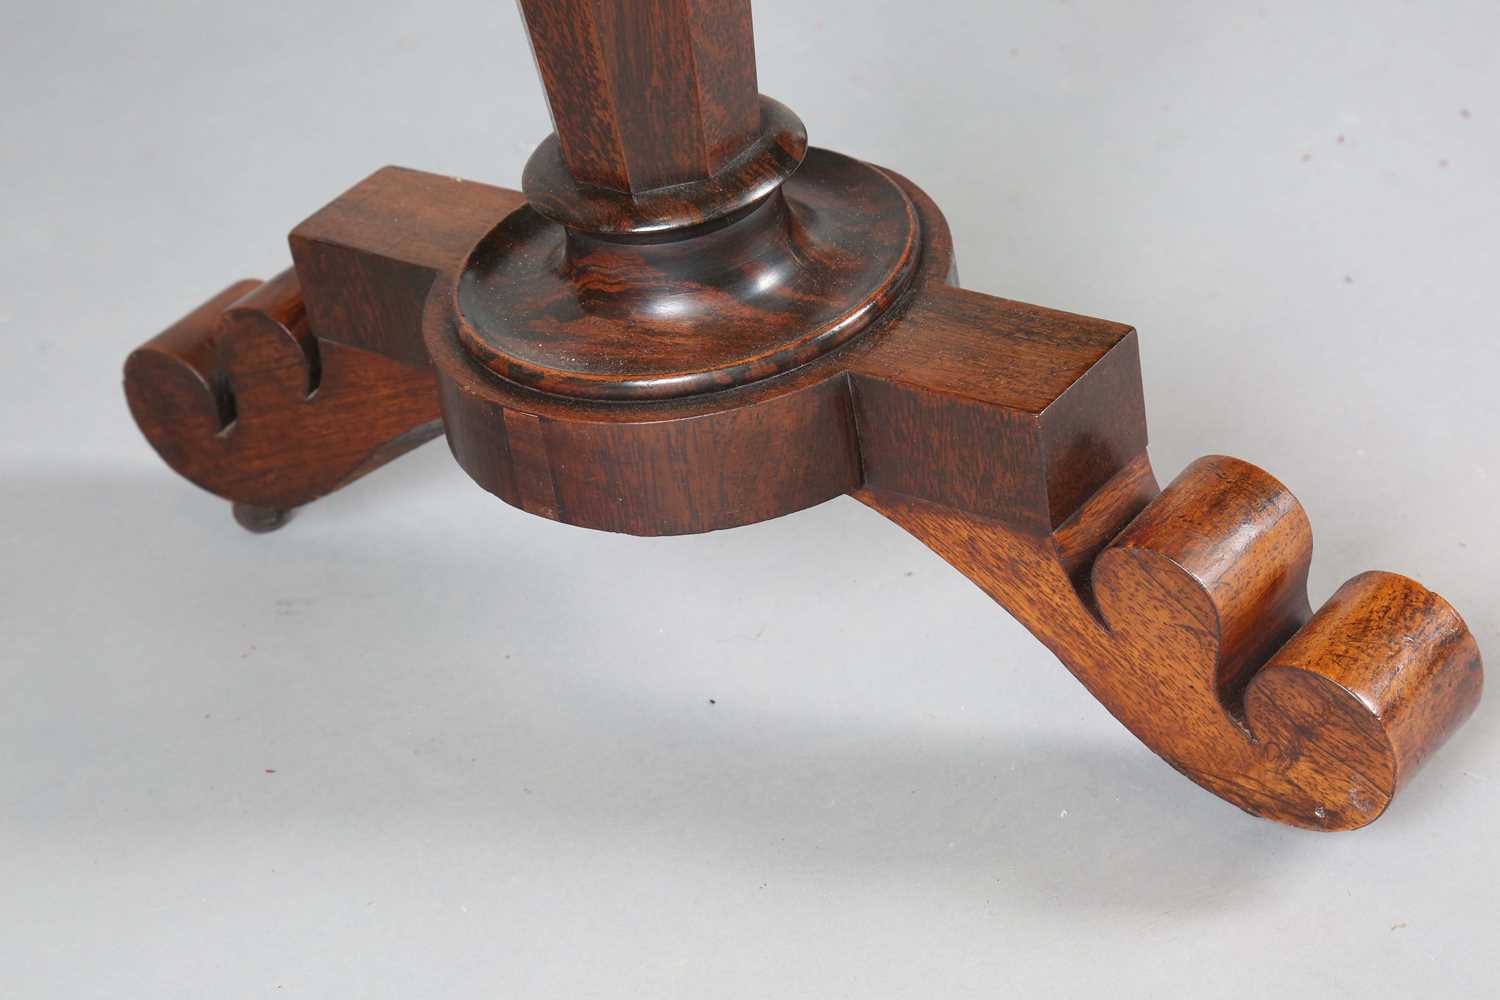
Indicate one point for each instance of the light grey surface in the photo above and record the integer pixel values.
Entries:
(420, 744)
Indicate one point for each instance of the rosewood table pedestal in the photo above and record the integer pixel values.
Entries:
(689, 319)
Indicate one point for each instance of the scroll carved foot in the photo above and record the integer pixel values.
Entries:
(691, 320)
(243, 399)
(1185, 612)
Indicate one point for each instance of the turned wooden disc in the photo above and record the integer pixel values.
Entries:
(802, 272)
(773, 155)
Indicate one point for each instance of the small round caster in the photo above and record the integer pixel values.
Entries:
(260, 520)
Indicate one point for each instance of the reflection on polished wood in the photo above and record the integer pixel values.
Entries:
(691, 320)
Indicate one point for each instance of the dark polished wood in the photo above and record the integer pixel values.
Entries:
(1185, 613)
(578, 315)
(774, 446)
(658, 121)
(243, 399)
(368, 258)
(770, 160)
(690, 320)
(646, 93)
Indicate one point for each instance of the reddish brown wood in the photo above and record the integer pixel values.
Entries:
(646, 93)
(241, 398)
(998, 407)
(665, 466)
(1193, 630)
(579, 315)
(772, 157)
(367, 259)
(692, 322)
(658, 122)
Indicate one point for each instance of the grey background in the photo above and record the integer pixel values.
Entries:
(420, 744)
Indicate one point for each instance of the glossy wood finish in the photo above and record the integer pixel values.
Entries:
(668, 466)
(646, 93)
(772, 157)
(243, 399)
(1191, 625)
(367, 259)
(692, 321)
(658, 123)
(809, 268)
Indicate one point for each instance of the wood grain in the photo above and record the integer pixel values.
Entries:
(646, 93)
(241, 398)
(367, 259)
(1193, 630)
(658, 125)
(693, 321)
(811, 267)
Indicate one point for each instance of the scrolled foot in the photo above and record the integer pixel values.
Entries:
(1312, 720)
(1185, 612)
(244, 399)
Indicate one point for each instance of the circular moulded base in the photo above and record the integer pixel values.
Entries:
(669, 466)
(746, 298)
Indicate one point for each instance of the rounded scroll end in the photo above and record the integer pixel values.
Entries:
(1360, 697)
(175, 384)
(1310, 719)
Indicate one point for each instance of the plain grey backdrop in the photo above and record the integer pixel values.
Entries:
(420, 744)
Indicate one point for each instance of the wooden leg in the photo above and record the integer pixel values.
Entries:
(693, 320)
(243, 399)
(1186, 615)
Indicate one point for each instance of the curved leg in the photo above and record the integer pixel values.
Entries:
(679, 329)
(1185, 612)
(272, 394)
(241, 398)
